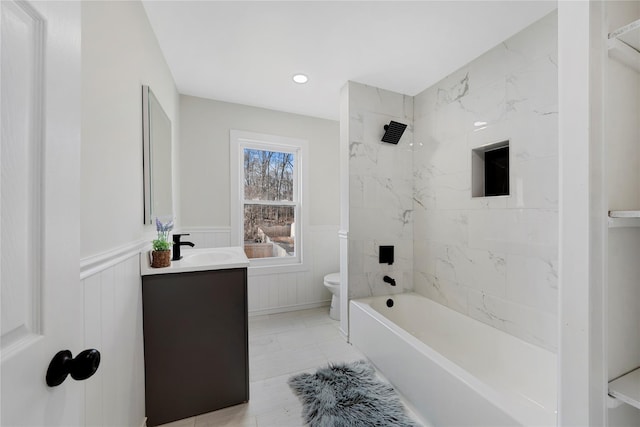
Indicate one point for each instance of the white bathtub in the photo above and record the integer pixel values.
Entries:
(453, 370)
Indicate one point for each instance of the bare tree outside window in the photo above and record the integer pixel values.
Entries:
(269, 208)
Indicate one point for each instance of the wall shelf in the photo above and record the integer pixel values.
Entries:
(624, 45)
(624, 219)
(627, 388)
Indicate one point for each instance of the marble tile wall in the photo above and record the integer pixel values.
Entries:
(380, 191)
(496, 258)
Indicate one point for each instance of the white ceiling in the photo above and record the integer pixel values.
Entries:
(247, 51)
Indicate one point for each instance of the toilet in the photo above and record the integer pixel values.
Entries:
(332, 282)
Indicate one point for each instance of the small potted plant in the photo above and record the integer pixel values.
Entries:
(161, 254)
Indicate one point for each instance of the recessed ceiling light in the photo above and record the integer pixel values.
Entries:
(300, 78)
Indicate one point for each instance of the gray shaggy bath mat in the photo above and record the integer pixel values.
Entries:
(348, 395)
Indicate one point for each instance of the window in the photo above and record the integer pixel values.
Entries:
(269, 205)
(268, 216)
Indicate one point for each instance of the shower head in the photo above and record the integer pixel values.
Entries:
(393, 132)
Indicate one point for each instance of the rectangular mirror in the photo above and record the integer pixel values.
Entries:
(156, 142)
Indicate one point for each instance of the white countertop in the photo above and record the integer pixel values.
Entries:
(198, 260)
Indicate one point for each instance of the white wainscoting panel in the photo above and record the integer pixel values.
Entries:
(113, 325)
(208, 237)
(274, 292)
(289, 291)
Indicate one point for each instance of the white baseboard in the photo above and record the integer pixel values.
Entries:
(288, 308)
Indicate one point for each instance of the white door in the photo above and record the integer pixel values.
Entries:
(41, 299)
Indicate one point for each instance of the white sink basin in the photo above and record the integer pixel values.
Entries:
(199, 260)
(207, 258)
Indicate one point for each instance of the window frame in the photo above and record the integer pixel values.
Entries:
(238, 141)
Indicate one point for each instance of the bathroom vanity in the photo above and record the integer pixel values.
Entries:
(195, 334)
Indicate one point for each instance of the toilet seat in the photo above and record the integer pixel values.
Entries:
(332, 279)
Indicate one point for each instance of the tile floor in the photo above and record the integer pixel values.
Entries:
(280, 345)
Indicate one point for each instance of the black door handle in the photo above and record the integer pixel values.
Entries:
(80, 367)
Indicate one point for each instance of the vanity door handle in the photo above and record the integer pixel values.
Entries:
(80, 367)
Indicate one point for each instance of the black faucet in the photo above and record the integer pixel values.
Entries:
(176, 246)
(389, 280)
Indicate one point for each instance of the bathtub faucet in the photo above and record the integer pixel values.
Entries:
(389, 280)
(176, 246)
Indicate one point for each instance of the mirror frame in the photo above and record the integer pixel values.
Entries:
(147, 151)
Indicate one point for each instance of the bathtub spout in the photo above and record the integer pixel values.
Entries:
(389, 280)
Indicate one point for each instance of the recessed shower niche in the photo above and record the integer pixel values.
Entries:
(490, 170)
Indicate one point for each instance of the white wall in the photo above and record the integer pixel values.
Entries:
(494, 259)
(205, 126)
(205, 193)
(119, 54)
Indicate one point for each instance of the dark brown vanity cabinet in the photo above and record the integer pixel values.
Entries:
(195, 343)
